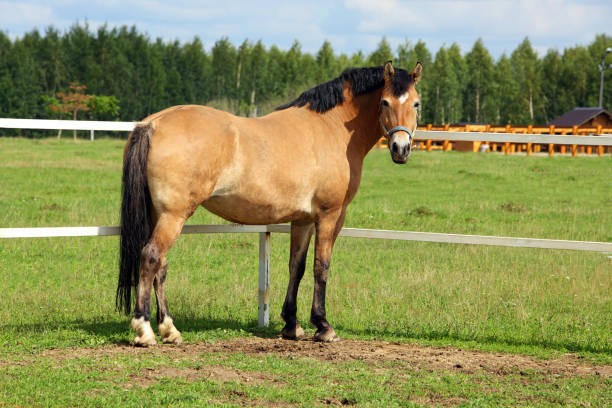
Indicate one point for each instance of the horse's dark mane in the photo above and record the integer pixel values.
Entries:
(325, 96)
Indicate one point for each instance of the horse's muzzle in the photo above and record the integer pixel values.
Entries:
(400, 152)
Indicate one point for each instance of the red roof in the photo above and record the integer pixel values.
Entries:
(579, 116)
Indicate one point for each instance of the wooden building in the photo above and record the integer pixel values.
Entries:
(584, 118)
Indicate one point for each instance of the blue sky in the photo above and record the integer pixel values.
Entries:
(349, 25)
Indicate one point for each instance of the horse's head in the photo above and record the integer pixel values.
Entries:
(398, 110)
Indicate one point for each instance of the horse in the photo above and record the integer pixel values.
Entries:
(301, 164)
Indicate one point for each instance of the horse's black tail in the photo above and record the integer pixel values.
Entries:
(135, 217)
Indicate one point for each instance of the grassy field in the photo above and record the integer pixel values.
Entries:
(58, 293)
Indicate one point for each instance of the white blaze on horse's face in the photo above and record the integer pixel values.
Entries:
(399, 113)
(404, 98)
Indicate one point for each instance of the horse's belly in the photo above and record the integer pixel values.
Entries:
(255, 211)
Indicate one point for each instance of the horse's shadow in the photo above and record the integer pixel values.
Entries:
(112, 329)
(192, 325)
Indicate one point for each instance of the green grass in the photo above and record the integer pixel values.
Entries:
(59, 292)
(236, 379)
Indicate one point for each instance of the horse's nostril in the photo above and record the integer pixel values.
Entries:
(394, 148)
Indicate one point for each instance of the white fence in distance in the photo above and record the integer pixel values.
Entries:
(50, 124)
(601, 140)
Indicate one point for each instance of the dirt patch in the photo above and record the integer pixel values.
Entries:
(421, 357)
(334, 401)
(427, 358)
(437, 401)
(241, 399)
(219, 374)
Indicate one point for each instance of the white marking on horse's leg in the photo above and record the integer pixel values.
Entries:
(145, 337)
(168, 332)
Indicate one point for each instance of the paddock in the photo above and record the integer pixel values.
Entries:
(503, 307)
(265, 231)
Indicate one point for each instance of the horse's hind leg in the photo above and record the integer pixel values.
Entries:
(167, 331)
(153, 265)
(300, 239)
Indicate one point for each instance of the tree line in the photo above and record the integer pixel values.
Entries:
(147, 75)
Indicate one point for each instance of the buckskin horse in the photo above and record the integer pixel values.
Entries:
(301, 164)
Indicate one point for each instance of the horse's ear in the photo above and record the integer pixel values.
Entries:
(416, 72)
(389, 71)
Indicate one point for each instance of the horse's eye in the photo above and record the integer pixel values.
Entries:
(417, 104)
(384, 102)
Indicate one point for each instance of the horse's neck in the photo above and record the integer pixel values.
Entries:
(358, 125)
(359, 118)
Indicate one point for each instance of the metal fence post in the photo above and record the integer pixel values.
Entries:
(264, 280)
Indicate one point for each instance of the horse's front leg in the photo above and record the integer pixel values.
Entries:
(327, 228)
(300, 240)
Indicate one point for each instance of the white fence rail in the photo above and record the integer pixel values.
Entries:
(264, 243)
(602, 140)
(50, 124)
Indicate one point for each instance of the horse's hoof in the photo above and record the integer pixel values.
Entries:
(145, 337)
(168, 332)
(173, 338)
(327, 335)
(293, 333)
(144, 341)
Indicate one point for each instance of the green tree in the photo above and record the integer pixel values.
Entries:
(7, 88)
(242, 55)
(292, 69)
(50, 58)
(103, 107)
(527, 75)
(78, 45)
(552, 90)
(445, 89)
(193, 68)
(454, 105)
(596, 49)
(257, 67)
(132, 60)
(357, 60)
(223, 75)
(173, 85)
(575, 78)
(506, 92)
(381, 54)
(276, 85)
(405, 55)
(155, 78)
(24, 99)
(326, 63)
(309, 71)
(424, 87)
(479, 80)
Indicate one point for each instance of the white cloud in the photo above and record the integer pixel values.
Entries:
(546, 22)
(19, 14)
